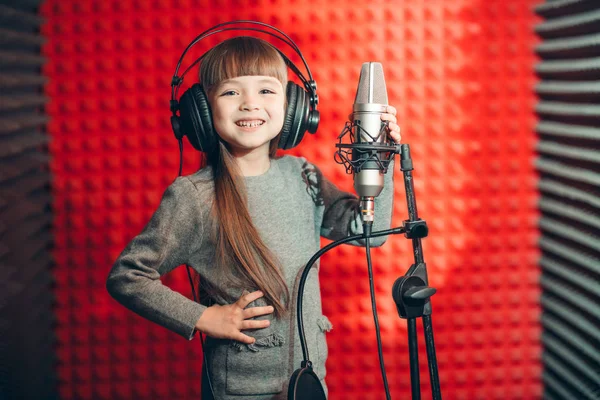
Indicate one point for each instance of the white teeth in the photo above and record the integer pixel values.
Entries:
(249, 124)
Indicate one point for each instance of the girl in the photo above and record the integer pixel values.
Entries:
(247, 223)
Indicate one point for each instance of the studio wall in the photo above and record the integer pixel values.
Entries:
(460, 74)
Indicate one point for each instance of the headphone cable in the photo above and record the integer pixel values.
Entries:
(180, 156)
(200, 334)
(192, 285)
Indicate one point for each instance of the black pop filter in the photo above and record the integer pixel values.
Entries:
(305, 385)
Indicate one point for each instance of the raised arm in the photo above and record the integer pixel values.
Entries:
(341, 214)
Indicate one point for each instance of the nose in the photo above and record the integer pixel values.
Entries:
(249, 102)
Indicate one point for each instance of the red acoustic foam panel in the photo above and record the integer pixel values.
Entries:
(460, 75)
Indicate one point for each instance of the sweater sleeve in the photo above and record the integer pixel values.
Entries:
(341, 215)
(174, 231)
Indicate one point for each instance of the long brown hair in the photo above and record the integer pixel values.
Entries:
(239, 246)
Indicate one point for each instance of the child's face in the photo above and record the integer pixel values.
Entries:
(248, 112)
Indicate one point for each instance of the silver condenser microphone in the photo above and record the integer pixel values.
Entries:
(371, 101)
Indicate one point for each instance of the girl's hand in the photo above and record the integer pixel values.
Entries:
(227, 322)
(393, 128)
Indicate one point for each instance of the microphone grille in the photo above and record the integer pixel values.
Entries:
(371, 85)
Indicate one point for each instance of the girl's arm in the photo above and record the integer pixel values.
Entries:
(173, 233)
(341, 215)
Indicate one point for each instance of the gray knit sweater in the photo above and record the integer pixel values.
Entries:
(291, 205)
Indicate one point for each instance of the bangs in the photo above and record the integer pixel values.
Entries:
(241, 56)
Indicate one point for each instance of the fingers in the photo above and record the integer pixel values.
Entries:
(388, 117)
(240, 317)
(248, 298)
(256, 311)
(254, 324)
(250, 324)
(393, 127)
(394, 132)
(240, 337)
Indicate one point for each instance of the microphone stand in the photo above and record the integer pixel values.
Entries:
(410, 292)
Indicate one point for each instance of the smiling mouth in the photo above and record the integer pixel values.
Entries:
(250, 124)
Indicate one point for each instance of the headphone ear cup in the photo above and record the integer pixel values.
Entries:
(196, 120)
(296, 116)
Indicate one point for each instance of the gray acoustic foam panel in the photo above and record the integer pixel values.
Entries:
(569, 168)
(26, 316)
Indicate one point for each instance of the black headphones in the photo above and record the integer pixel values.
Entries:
(195, 120)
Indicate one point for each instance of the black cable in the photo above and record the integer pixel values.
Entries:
(192, 285)
(200, 333)
(180, 156)
(367, 231)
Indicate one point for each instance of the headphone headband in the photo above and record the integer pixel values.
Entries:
(309, 84)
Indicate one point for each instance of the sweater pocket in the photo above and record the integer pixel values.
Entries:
(258, 368)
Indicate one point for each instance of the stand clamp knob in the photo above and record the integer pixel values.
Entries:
(410, 294)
